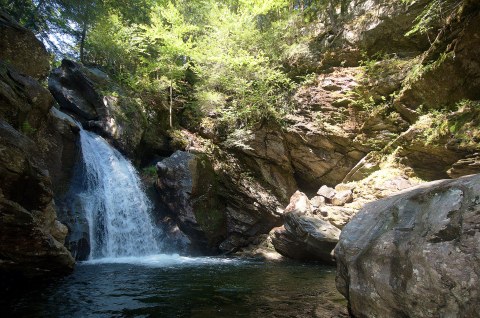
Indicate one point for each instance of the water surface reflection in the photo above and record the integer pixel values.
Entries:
(201, 288)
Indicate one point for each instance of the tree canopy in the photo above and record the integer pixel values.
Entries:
(210, 56)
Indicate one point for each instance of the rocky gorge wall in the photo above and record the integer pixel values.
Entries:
(38, 150)
(386, 111)
(383, 112)
(370, 123)
(354, 128)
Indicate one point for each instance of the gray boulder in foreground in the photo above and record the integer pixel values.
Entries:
(416, 254)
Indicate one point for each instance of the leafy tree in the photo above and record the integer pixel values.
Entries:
(202, 55)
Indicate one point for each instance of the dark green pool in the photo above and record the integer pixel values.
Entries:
(183, 287)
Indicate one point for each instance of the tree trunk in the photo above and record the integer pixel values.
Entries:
(344, 8)
(82, 42)
(171, 103)
(331, 11)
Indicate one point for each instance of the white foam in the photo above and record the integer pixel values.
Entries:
(165, 260)
(116, 207)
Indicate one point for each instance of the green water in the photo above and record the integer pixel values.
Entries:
(194, 288)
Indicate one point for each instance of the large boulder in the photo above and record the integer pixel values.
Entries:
(75, 92)
(19, 48)
(31, 239)
(24, 103)
(304, 236)
(187, 187)
(38, 150)
(215, 202)
(415, 254)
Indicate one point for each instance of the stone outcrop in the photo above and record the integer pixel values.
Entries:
(361, 26)
(58, 141)
(303, 236)
(20, 48)
(186, 185)
(266, 153)
(465, 166)
(321, 132)
(446, 64)
(89, 95)
(214, 202)
(31, 239)
(75, 92)
(414, 254)
(27, 106)
(38, 151)
(24, 103)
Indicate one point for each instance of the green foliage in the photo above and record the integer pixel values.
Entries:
(435, 11)
(309, 79)
(150, 171)
(27, 129)
(418, 70)
(178, 140)
(201, 57)
(216, 57)
(461, 125)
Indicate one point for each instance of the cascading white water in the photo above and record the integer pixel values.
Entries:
(117, 209)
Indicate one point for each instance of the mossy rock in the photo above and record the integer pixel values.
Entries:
(208, 210)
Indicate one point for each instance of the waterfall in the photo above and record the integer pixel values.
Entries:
(117, 209)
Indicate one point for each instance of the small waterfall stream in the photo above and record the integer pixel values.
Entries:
(117, 209)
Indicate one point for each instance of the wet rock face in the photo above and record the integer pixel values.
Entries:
(31, 240)
(414, 254)
(20, 48)
(33, 138)
(215, 202)
(102, 106)
(187, 187)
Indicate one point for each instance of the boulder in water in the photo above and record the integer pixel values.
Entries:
(304, 236)
(415, 254)
(187, 187)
